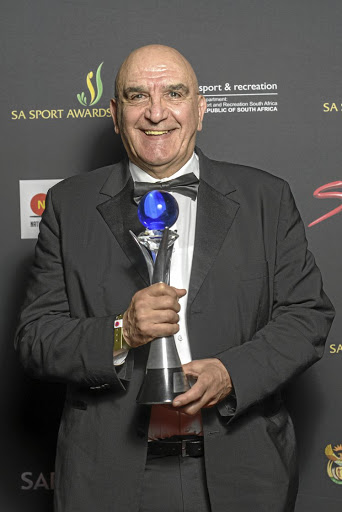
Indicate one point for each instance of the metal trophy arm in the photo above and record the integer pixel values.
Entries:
(146, 254)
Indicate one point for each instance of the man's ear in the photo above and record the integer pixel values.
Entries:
(202, 107)
(114, 113)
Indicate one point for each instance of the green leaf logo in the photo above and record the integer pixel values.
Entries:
(94, 98)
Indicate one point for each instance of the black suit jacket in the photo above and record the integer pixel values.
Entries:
(255, 301)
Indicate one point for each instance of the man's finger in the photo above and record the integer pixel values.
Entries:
(192, 395)
(194, 407)
(195, 367)
(159, 330)
(163, 316)
(164, 302)
(159, 289)
(180, 292)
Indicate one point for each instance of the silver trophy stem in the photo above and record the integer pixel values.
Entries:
(164, 377)
(161, 273)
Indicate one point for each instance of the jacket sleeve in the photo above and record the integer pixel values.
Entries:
(51, 343)
(301, 317)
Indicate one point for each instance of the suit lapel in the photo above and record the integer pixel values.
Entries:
(120, 214)
(215, 215)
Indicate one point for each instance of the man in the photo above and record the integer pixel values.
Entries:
(253, 315)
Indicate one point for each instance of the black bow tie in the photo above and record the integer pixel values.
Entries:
(186, 185)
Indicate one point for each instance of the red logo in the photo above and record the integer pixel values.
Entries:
(38, 204)
(325, 192)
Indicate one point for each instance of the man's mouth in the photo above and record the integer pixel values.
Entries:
(156, 132)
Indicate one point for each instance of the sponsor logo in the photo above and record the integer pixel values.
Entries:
(94, 98)
(71, 113)
(334, 467)
(32, 204)
(335, 348)
(37, 204)
(31, 482)
(229, 98)
(328, 191)
(95, 94)
(332, 107)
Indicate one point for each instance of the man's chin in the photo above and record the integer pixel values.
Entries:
(162, 164)
(156, 162)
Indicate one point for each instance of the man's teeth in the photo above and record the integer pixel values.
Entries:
(154, 132)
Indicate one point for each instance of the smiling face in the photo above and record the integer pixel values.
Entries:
(158, 110)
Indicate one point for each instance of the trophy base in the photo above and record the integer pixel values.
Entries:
(162, 385)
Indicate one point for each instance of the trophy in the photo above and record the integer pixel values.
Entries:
(164, 377)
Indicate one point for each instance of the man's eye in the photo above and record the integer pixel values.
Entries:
(138, 97)
(174, 94)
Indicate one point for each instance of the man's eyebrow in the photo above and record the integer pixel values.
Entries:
(129, 90)
(170, 87)
(177, 87)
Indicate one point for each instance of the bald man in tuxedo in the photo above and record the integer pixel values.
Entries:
(246, 307)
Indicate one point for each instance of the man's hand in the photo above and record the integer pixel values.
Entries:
(213, 384)
(153, 312)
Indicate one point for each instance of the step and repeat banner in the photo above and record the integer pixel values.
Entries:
(271, 72)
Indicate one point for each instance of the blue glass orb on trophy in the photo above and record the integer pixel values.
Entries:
(164, 377)
(158, 210)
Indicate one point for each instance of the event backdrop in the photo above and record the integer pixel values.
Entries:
(271, 73)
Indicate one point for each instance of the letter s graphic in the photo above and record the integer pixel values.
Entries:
(325, 192)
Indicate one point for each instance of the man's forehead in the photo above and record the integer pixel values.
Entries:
(174, 83)
(158, 73)
(156, 66)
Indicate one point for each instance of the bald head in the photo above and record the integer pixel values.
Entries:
(157, 109)
(161, 56)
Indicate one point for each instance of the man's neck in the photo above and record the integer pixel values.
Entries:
(139, 174)
(162, 172)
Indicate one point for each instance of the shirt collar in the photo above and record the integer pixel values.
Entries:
(191, 165)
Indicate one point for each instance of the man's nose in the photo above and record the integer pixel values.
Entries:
(157, 110)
